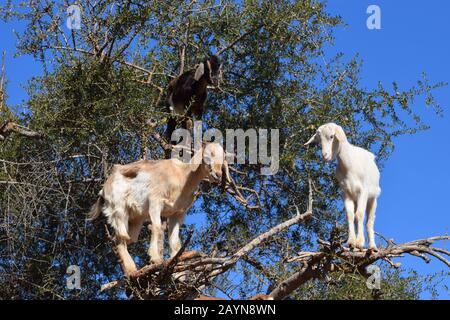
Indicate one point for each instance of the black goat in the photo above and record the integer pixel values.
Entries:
(187, 93)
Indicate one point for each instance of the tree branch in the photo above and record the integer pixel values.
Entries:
(334, 257)
(9, 127)
(235, 41)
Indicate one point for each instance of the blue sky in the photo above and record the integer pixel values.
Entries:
(414, 37)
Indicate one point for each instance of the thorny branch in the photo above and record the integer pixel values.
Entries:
(9, 127)
(333, 257)
(242, 36)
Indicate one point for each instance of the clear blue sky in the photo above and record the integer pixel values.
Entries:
(414, 37)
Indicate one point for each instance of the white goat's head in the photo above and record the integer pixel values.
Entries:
(330, 135)
(215, 163)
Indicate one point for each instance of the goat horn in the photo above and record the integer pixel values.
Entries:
(312, 140)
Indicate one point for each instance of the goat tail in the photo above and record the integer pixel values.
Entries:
(96, 209)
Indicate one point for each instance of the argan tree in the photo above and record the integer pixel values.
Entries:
(91, 107)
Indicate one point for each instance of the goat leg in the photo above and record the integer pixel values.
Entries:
(126, 261)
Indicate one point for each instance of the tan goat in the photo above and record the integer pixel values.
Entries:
(148, 190)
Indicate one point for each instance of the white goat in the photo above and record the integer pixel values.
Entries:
(148, 190)
(358, 178)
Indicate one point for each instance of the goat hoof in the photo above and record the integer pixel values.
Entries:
(373, 249)
(350, 245)
(360, 244)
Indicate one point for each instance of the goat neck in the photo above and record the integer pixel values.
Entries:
(196, 171)
(343, 153)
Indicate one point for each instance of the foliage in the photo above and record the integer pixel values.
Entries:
(103, 82)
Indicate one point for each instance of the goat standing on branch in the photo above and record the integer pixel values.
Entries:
(148, 190)
(186, 94)
(359, 179)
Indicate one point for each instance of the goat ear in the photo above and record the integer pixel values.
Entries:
(199, 71)
(314, 139)
(339, 133)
